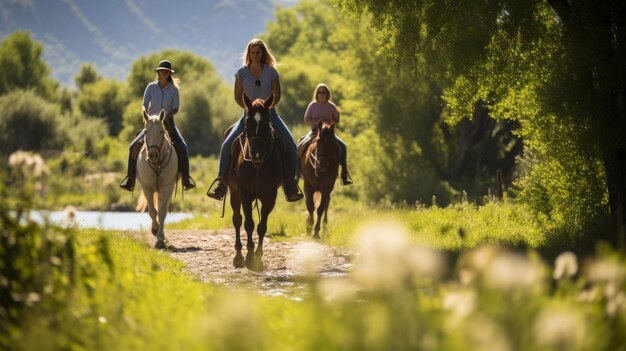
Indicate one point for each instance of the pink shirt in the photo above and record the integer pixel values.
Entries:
(316, 112)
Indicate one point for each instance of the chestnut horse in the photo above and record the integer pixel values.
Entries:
(319, 166)
(256, 174)
(157, 172)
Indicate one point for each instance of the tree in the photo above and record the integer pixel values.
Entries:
(557, 67)
(86, 75)
(28, 122)
(23, 67)
(104, 99)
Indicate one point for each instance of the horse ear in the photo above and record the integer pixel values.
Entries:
(269, 101)
(320, 123)
(333, 124)
(161, 115)
(246, 101)
(145, 116)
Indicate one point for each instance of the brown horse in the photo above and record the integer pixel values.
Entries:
(319, 166)
(256, 174)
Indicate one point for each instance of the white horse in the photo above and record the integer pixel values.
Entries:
(157, 172)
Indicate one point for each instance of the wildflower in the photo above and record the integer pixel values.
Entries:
(308, 257)
(565, 266)
(460, 304)
(604, 271)
(472, 263)
(508, 271)
(560, 328)
(381, 246)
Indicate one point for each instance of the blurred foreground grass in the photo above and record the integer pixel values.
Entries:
(113, 292)
(463, 277)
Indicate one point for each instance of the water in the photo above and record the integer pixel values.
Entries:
(106, 220)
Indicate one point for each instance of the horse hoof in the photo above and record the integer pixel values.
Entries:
(160, 245)
(316, 236)
(238, 262)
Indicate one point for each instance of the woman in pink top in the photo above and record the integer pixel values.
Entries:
(321, 108)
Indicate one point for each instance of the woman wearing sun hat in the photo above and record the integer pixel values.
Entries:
(161, 94)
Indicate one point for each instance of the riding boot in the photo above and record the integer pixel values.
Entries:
(292, 191)
(183, 165)
(219, 191)
(128, 183)
(345, 177)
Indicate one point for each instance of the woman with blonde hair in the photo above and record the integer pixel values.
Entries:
(322, 108)
(258, 79)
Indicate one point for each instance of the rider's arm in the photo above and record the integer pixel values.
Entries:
(239, 92)
(276, 91)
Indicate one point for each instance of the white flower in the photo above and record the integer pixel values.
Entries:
(565, 266)
(560, 328)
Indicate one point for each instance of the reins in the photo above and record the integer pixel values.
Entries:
(161, 163)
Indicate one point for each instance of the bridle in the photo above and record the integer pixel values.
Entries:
(158, 164)
(314, 157)
(266, 143)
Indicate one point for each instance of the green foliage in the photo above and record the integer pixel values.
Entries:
(106, 100)
(205, 116)
(28, 122)
(23, 66)
(87, 75)
(552, 67)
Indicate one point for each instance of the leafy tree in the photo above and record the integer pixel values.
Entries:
(28, 122)
(557, 67)
(23, 67)
(86, 75)
(104, 99)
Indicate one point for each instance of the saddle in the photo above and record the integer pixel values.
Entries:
(235, 148)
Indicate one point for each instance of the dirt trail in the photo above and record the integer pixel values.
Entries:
(208, 255)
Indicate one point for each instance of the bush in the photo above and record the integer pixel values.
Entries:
(28, 122)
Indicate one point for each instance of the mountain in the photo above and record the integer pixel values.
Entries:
(111, 34)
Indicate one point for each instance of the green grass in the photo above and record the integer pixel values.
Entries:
(131, 297)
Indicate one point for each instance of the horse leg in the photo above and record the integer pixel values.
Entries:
(152, 211)
(235, 204)
(164, 201)
(266, 208)
(310, 205)
(248, 224)
(322, 210)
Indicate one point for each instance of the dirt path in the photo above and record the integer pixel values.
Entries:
(208, 255)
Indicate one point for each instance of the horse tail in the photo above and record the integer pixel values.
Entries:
(142, 203)
(317, 199)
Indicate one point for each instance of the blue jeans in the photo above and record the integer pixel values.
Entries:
(342, 145)
(279, 126)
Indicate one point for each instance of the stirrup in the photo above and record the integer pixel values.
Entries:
(293, 197)
(345, 179)
(220, 190)
(189, 183)
(127, 184)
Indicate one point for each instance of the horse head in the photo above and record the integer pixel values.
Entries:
(258, 128)
(326, 149)
(154, 136)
